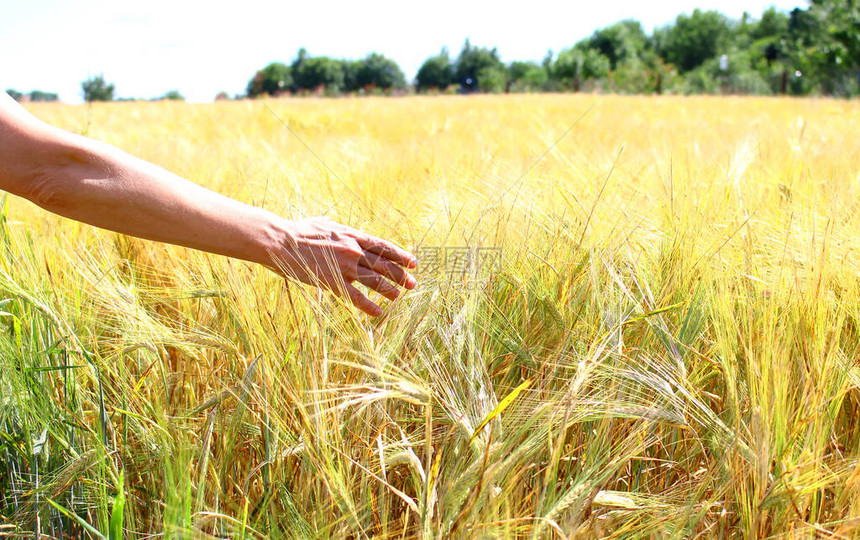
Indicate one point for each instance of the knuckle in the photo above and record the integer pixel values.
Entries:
(354, 249)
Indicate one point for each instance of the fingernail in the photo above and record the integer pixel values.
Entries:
(411, 282)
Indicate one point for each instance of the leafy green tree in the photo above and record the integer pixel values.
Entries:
(301, 56)
(35, 95)
(738, 77)
(836, 55)
(39, 96)
(380, 72)
(767, 37)
(472, 61)
(492, 79)
(772, 25)
(172, 95)
(276, 78)
(803, 29)
(801, 53)
(310, 73)
(436, 72)
(760, 44)
(350, 75)
(97, 89)
(625, 40)
(527, 76)
(693, 39)
(840, 22)
(578, 64)
(645, 75)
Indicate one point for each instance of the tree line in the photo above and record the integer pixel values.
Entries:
(801, 52)
(95, 88)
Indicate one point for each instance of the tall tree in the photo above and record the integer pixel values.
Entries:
(693, 39)
(840, 22)
(97, 89)
(172, 95)
(310, 73)
(577, 64)
(625, 40)
(436, 72)
(276, 78)
(773, 24)
(527, 76)
(39, 96)
(378, 71)
(472, 62)
(350, 74)
(801, 44)
(768, 35)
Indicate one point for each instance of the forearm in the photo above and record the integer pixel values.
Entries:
(100, 185)
(95, 183)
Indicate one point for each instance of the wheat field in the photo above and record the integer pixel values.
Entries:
(635, 317)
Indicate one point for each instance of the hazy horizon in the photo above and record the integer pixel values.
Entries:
(148, 49)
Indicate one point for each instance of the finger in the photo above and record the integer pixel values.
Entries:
(388, 250)
(361, 302)
(385, 267)
(378, 283)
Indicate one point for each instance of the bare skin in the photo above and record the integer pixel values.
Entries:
(95, 183)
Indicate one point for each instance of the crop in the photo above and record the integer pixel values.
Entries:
(636, 317)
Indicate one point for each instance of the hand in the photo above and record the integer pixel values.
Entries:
(324, 253)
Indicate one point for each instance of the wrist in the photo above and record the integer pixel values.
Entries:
(272, 236)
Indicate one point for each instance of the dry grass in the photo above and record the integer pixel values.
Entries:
(668, 347)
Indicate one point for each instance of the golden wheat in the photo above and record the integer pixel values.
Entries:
(666, 345)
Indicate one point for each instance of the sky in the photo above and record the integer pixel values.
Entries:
(203, 47)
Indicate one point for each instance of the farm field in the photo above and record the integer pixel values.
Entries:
(635, 317)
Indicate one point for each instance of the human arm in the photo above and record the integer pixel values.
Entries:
(93, 182)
